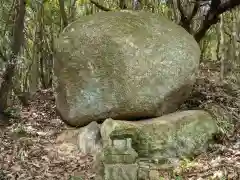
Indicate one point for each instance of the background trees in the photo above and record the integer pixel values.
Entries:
(28, 30)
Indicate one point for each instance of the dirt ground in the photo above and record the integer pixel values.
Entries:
(28, 151)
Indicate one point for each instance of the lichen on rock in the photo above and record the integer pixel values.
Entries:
(123, 65)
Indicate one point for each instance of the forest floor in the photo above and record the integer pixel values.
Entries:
(27, 145)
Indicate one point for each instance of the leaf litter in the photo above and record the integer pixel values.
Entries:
(28, 144)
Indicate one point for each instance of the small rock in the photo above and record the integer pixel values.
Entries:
(86, 139)
(89, 138)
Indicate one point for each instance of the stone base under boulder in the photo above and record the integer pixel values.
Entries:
(152, 145)
(125, 150)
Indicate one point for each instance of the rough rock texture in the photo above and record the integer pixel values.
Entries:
(86, 139)
(121, 172)
(118, 161)
(161, 139)
(89, 139)
(113, 155)
(123, 65)
(138, 150)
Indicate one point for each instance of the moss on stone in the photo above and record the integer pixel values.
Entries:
(177, 135)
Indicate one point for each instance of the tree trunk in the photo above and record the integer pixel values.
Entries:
(18, 36)
(34, 75)
(63, 13)
(222, 48)
(122, 4)
(72, 10)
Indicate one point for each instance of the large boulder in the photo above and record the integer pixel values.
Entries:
(123, 65)
(173, 136)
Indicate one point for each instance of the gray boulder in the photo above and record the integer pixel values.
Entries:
(123, 65)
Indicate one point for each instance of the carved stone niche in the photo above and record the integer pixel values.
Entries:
(119, 160)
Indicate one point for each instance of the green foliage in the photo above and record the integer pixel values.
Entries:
(20, 131)
(178, 178)
(13, 112)
(186, 163)
(76, 178)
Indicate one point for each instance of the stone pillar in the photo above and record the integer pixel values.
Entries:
(119, 160)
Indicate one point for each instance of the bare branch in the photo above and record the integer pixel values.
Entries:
(227, 5)
(216, 8)
(180, 8)
(63, 13)
(100, 6)
(194, 11)
(185, 20)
